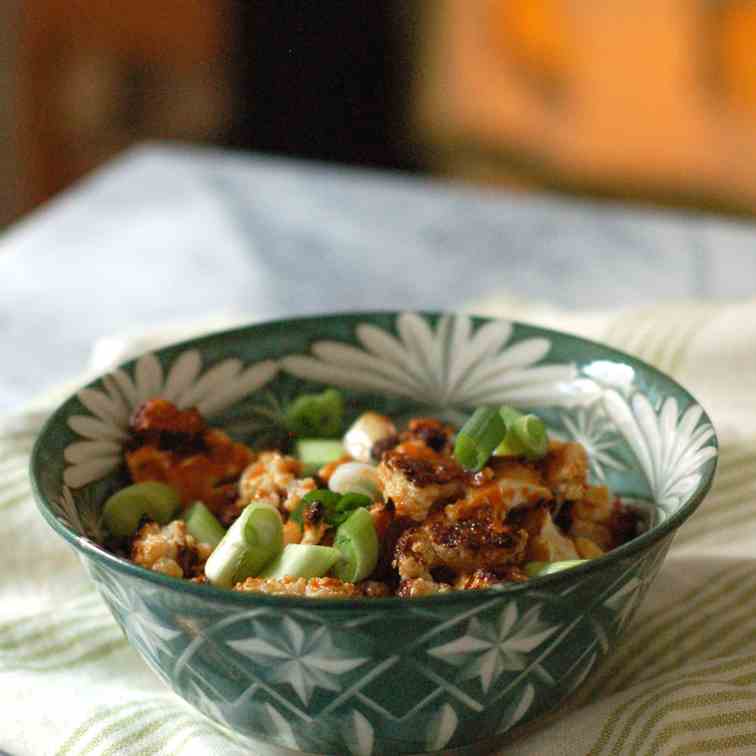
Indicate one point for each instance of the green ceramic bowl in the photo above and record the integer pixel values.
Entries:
(392, 676)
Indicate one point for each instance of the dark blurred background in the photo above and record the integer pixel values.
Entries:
(650, 101)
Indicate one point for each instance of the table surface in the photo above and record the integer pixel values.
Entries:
(169, 233)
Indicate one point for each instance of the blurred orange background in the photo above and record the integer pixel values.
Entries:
(651, 101)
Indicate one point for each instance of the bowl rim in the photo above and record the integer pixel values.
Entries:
(249, 599)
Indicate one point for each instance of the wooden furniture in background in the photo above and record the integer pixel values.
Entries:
(94, 77)
(654, 99)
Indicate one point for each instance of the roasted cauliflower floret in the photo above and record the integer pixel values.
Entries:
(324, 587)
(506, 485)
(431, 432)
(481, 579)
(274, 477)
(546, 541)
(417, 587)
(566, 470)
(415, 478)
(460, 546)
(169, 549)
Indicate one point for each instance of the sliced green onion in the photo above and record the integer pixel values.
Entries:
(348, 503)
(357, 542)
(124, 509)
(316, 452)
(526, 435)
(254, 540)
(302, 560)
(203, 525)
(336, 507)
(539, 569)
(316, 415)
(478, 437)
(323, 496)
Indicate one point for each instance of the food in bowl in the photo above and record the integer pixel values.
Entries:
(364, 675)
(378, 512)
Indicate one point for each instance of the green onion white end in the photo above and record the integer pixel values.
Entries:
(355, 477)
(299, 560)
(254, 540)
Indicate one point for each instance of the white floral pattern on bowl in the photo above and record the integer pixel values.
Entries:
(671, 448)
(449, 367)
(106, 429)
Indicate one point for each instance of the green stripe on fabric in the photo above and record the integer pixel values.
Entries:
(14, 501)
(101, 716)
(735, 453)
(16, 478)
(671, 616)
(734, 647)
(14, 485)
(694, 324)
(96, 653)
(710, 722)
(87, 605)
(744, 468)
(633, 723)
(19, 639)
(651, 702)
(735, 515)
(192, 731)
(199, 726)
(701, 676)
(134, 740)
(716, 745)
(667, 658)
(669, 333)
(614, 325)
(735, 480)
(63, 657)
(103, 737)
(13, 460)
(636, 340)
(709, 521)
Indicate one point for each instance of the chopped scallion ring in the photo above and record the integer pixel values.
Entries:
(203, 525)
(357, 541)
(301, 560)
(254, 540)
(314, 453)
(316, 415)
(478, 438)
(526, 435)
(125, 508)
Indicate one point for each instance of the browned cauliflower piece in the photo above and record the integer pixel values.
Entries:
(374, 589)
(546, 543)
(431, 432)
(323, 587)
(504, 486)
(169, 549)
(566, 470)
(480, 579)
(417, 587)
(275, 477)
(460, 546)
(415, 478)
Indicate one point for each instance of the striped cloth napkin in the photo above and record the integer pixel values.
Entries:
(682, 682)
